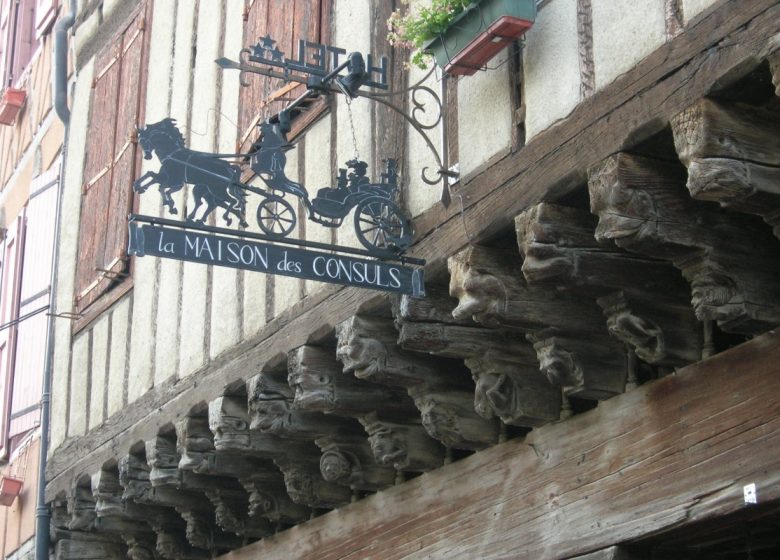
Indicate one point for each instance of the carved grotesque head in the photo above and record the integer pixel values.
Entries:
(714, 295)
(440, 421)
(229, 424)
(270, 412)
(559, 364)
(169, 546)
(641, 334)
(263, 503)
(362, 354)
(388, 446)
(300, 486)
(493, 394)
(481, 296)
(627, 215)
(81, 507)
(314, 390)
(335, 466)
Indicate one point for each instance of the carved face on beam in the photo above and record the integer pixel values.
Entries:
(388, 446)
(169, 546)
(81, 507)
(263, 503)
(641, 334)
(559, 364)
(545, 262)
(300, 486)
(270, 412)
(480, 296)
(714, 294)
(363, 355)
(440, 421)
(494, 394)
(626, 215)
(230, 432)
(313, 390)
(335, 466)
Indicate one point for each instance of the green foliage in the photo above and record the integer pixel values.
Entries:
(413, 30)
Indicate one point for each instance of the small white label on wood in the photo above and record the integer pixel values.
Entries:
(751, 497)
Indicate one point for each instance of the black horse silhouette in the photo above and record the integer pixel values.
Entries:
(215, 181)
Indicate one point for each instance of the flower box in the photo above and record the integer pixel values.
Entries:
(10, 104)
(10, 488)
(479, 33)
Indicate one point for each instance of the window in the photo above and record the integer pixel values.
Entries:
(286, 22)
(112, 163)
(18, 40)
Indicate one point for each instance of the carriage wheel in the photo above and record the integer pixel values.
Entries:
(380, 224)
(276, 216)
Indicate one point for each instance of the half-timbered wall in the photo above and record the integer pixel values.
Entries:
(164, 388)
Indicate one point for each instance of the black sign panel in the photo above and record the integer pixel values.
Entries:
(244, 254)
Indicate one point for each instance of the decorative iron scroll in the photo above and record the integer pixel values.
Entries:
(266, 59)
(380, 224)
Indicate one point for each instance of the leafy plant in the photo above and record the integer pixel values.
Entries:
(412, 29)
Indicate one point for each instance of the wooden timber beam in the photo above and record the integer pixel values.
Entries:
(721, 45)
(676, 450)
(732, 152)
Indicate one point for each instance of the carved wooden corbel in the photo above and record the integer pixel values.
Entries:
(584, 368)
(348, 460)
(306, 486)
(728, 259)
(229, 422)
(268, 498)
(320, 384)
(509, 386)
(732, 152)
(646, 301)
(405, 447)
(449, 416)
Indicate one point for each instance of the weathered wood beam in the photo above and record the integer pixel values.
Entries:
(724, 44)
(730, 260)
(320, 384)
(271, 411)
(405, 447)
(646, 301)
(672, 452)
(732, 152)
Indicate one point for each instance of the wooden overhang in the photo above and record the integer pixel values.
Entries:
(649, 279)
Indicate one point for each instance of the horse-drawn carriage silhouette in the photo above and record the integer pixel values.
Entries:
(380, 224)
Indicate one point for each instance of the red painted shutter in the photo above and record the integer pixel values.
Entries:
(112, 163)
(34, 295)
(26, 43)
(286, 22)
(9, 311)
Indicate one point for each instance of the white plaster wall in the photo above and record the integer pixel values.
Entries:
(484, 115)
(145, 273)
(196, 276)
(169, 298)
(692, 8)
(117, 364)
(318, 174)
(352, 37)
(552, 67)
(79, 385)
(624, 32)
(68, 247)
(226, 323)
(98, 384)
(419, 196)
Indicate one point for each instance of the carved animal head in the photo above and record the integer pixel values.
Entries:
(481, 296)
(313, 390)
(642, 334)
(714, 295)
(493, 394)
(561, 366)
